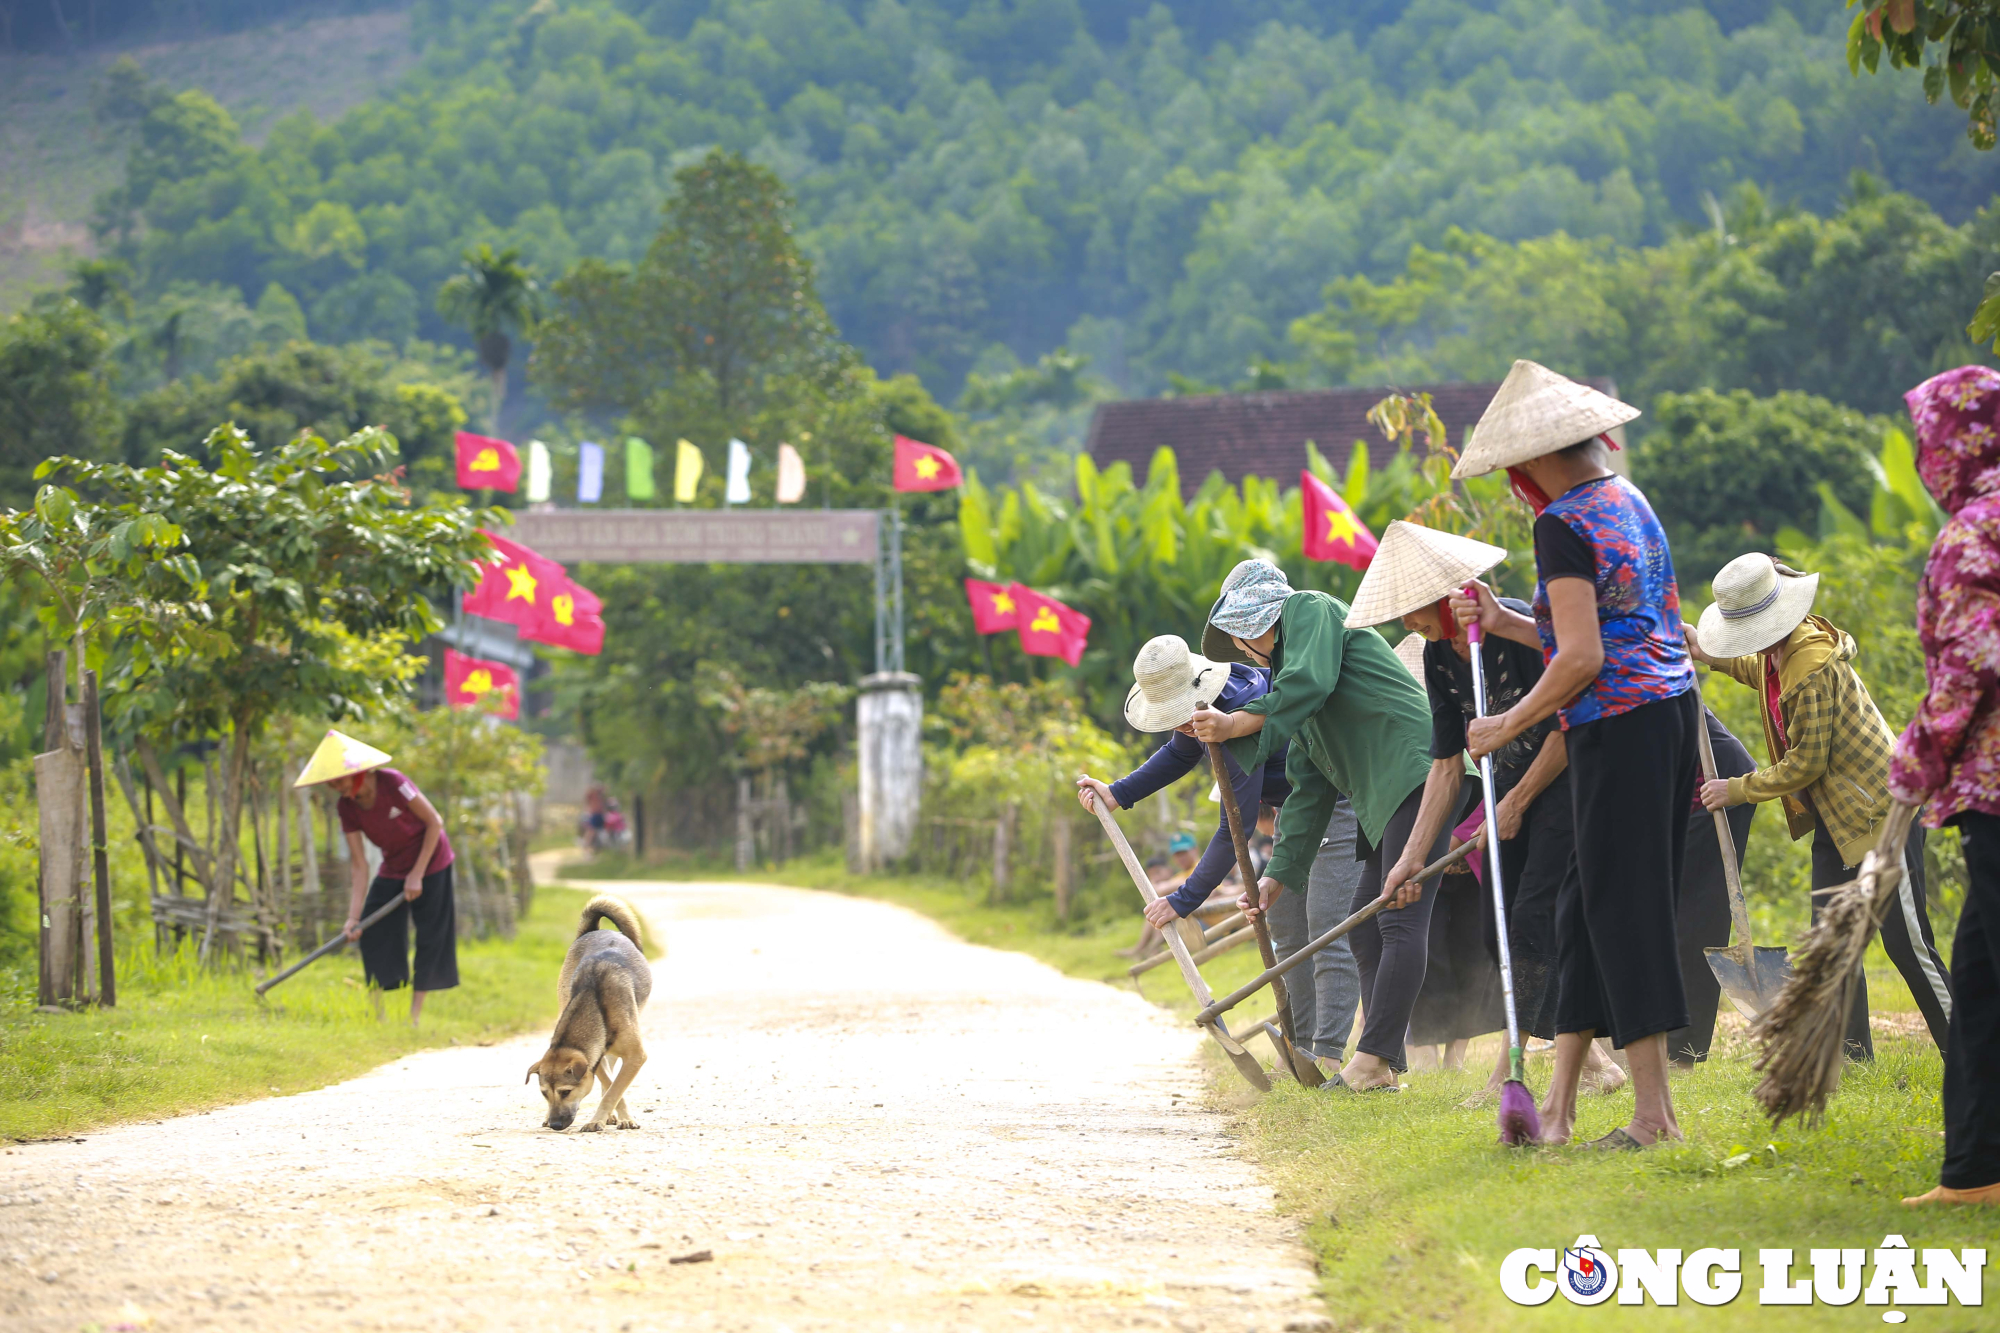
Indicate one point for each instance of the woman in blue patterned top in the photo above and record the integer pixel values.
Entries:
(1618, 677)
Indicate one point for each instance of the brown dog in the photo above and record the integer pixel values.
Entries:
(604, 984)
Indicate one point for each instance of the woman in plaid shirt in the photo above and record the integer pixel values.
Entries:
(1829, 766)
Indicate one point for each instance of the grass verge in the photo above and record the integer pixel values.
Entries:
(1410, 1206)
(186, 1038)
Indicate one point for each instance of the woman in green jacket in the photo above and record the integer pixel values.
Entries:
(1359, 727)
(1829, 767)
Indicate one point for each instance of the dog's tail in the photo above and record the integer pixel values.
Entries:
(615, 910)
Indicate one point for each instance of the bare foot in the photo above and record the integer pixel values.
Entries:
(1600, 1075)
(1555, 1132)
(1366, 1071)
(1984, 1194)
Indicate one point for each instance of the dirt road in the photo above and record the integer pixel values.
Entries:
(868, 1123)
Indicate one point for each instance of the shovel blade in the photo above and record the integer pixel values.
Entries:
(1246, 1064)
(1751, 990)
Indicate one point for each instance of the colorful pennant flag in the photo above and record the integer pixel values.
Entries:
(1047, 627)
(589, 473)
(924, 467)
(737, 490)
(687, 471)
(638, 469)
(541, 472)
(1333, 531)
(993, 606)
(472, 681)
(485, 463)
(791, 475)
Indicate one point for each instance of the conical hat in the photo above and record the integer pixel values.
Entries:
(1537, 412)
(338, 756)
(1411, 653)
(1414, 567)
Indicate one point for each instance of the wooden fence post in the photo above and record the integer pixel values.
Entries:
(59, 798)
(1059, 843)
(100, 866)
(745, 838)
(1003, 850)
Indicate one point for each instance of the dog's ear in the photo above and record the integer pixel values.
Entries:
(533, 1070)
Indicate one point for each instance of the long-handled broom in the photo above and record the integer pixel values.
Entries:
(1804, 1031)
(1518, 1121)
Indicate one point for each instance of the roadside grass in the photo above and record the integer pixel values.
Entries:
(1408, 1203)
(187, 1038)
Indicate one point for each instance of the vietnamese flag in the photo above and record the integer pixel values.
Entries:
(516, 585)
(1048, 628)
(1333, 531)
(471, 681)
(485, 463)
(924, 467)
(993, 606)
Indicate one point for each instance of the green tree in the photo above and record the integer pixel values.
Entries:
(717, 323)
(1727, 472)
(492, 296)
(55, 392)
(1962, 38)
(273, 395)
(306, 560)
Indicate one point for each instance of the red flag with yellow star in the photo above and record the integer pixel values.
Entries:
(487, 463)
(471, 681)
(993, 606)
(1333, 531)
(1048, 628)
(516, 585)
(924, 467)
(537, 596)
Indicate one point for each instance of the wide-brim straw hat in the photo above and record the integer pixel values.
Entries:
(1410, 652)
(1414, 567)
(338, 756)
(1757, 602)
(1167, 681)
(1537, 412)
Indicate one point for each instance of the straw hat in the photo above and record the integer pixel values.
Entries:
(1168, 679)
(1757, 602)
(1415, 566)
(1410, 652)
(337, 757)
(1536, 412)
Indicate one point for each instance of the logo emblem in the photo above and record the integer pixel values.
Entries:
(1588, 1276)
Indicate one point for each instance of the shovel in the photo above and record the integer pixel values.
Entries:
(1246, 1063)
(1302, 1066)
(1750, 976)
(330, 946)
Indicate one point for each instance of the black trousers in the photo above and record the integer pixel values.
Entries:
(1537, 865)
(1906, 938)
(1972, 1053)
(1392, 948)
(1632, 778)
(1701, 918)
(385, 946)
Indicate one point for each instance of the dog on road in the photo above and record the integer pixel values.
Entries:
(604, 984)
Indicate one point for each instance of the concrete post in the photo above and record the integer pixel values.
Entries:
(889, 715)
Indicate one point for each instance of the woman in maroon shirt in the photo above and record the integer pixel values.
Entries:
(385, 807)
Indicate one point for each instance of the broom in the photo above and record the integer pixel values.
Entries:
(1518, 1121)
(1804, 1032)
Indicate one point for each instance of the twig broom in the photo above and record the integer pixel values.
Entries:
(1804, 1031)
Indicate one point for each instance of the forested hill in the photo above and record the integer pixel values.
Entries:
(1163, 186)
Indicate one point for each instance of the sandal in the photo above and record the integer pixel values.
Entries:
(1617, 1141)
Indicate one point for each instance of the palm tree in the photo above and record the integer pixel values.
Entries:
(491, 296)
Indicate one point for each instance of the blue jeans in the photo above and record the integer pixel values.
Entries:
(1324, 992)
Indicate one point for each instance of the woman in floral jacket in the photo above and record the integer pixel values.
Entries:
(1950, 753)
